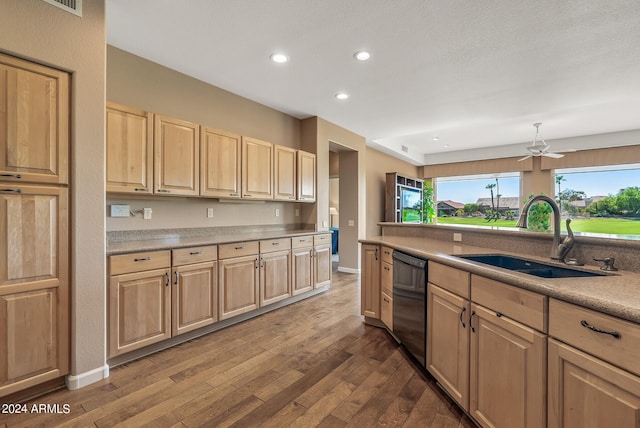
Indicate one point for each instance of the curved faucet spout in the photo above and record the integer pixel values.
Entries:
(522, 222)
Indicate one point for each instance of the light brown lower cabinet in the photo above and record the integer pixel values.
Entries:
(194, 296)
(322, 265)
(586, 392)
(34, 285)
(238, 278)
(302, 264)
(370, 281)
(275, 270)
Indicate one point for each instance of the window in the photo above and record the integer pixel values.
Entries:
(480, 200)
(601, 200)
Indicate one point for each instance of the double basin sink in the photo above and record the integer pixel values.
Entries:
(517, 264)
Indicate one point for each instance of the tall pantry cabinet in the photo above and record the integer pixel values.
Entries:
(34, 224)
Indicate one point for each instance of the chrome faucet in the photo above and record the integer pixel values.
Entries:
(559, 249)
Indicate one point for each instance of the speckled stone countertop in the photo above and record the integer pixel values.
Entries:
(135, 241)
(617, 293)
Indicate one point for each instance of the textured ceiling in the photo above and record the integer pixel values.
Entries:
(475, 73)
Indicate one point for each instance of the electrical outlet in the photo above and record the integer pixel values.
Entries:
(209, 212)
(351, 223)
(297, 212)
(120, 210)
(277, 212)
(147, 213)
(457, 237)
(325, 223)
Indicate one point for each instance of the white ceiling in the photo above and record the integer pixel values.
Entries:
(475, 73)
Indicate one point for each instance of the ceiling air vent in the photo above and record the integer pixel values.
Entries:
(405, 149)
(71, 6)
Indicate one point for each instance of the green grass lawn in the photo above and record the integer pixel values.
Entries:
(617, 226)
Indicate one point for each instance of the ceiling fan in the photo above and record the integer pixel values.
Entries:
(540, 148)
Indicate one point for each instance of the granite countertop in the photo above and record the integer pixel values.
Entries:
(617, 293)
(150, 242)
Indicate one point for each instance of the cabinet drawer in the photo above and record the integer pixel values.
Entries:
(386, 278)
(325, 238)
(185, 256)
(566, 324)
(139, 262)
(271, 245)
(451, 279)
(387, 254)
(238, 249)
(521, 305)
(386, 310)
(302, 242)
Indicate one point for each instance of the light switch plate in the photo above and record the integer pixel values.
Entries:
(351, 223)
(209, 212)
(119, 210)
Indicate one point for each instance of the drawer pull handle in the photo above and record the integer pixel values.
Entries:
(163, 191)
(11, 190)
(275, 243)
(240, 247)
(386, 300)
(195, 253)
(176, 275)
(461, 314)
(597, 330)
(11, 175)
(141, 189)
(166, 279)
(234, 194)
(146, 259)
(498, 314)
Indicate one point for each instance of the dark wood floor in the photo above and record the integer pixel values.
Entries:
(311, 364)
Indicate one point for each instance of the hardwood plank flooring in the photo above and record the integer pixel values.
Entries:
(311, 364)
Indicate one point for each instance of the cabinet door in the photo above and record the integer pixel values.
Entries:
(322, 266)
(275, 277)
(177, 156)
(139, 310)
(386, 310)
(194, 298)
(129, 150)
(584, 391)
(34, 285)
(301, 273)
(34, 122)
(306, 176)
(370, 281)
(448, 342)
(257, 169)
(238, 286)
(284, 162)
(507, 371)
(220, 163)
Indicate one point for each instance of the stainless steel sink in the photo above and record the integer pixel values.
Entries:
(529, 267)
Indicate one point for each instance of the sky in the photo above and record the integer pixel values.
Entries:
(592, 183)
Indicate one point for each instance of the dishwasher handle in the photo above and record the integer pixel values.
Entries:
(410, 260)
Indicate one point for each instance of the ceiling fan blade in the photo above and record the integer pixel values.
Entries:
(524, 158)
(553, 155)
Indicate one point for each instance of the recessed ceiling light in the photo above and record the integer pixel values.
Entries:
(445, 146)
(279, 58)
(435, 138)
(362, 55)
(342, 95)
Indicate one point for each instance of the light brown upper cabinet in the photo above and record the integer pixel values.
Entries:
(220, 163)
(129, 149)
(34, 122)
(257, 169)
(306, 176)
(176, 157)
(284, 162)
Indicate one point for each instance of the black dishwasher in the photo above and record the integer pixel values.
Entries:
(409, 303)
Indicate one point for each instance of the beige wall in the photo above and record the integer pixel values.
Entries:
(318, 134)
(35, 30)
(378, 164)
(137, 82)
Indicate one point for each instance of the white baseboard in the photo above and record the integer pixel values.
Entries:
(348, 270)
(87, 378)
